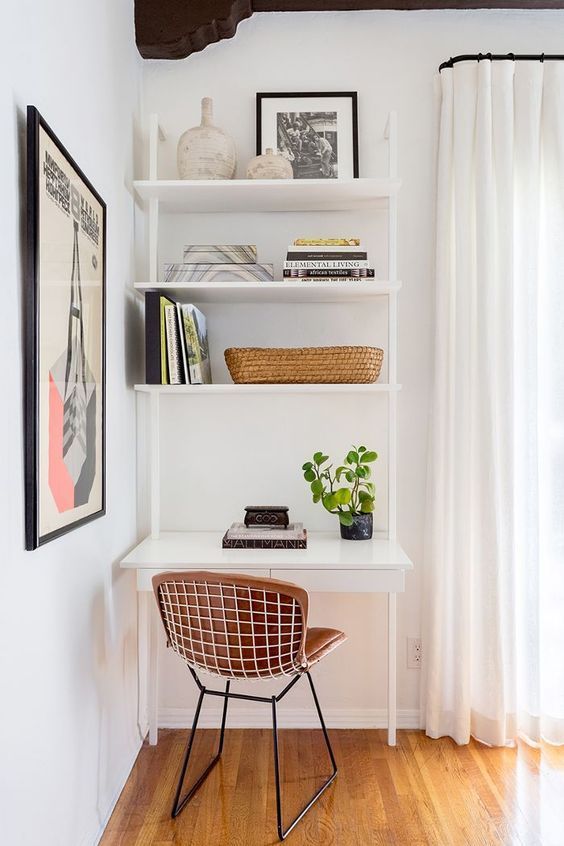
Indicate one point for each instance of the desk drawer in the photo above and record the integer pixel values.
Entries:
(345, 581)
(145, 575)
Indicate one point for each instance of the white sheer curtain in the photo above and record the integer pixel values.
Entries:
(494, 569)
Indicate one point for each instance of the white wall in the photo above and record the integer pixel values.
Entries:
(68, 677)
(391, 59)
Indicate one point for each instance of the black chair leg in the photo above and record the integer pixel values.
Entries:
(179, 803)
(282, 832)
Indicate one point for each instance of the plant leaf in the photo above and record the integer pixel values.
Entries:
(316, 497)
(309, 475)
(352, 457)
(361, 472)
(343, 496)
(362, 495)
(368, 457)
(367, 506)
(317, 487)
(346, 519)
(349, 476)
(307, 466)
(319, 458)
(361, 449)
(330, 501)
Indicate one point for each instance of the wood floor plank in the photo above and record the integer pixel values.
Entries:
(422, 792)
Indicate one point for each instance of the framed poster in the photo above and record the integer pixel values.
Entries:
(317, 133)
(65, 341)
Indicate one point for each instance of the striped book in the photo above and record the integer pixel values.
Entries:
(194, 274)
(220, 254)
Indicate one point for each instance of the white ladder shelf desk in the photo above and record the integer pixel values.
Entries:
(329, 564)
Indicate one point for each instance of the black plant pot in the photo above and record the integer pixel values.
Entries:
(361, 528)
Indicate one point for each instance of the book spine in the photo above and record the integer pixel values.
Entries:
(264, 543)
(183, 348)
(153, 374)
(319, 265)
(317, 280)
(359, 255)
(326, 242)
(173, 343)
(192, 345)
(360, 273)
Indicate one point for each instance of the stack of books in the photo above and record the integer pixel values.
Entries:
(218, 263)
(327, 260)
(241, 537)
(176, 342)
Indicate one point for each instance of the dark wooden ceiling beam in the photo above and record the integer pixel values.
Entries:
(174, 29)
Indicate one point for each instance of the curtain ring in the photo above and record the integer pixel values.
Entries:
(489, 56)
(511, 56)
(542, 58)
(479, 57)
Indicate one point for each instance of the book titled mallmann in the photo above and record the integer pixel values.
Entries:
(240, 537)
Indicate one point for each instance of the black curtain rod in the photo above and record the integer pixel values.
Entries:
(500, 57)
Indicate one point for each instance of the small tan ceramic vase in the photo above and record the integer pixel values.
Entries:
(269, 166)
(205, 151)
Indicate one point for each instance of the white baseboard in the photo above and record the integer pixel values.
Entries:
(94, 835)
(298, 718)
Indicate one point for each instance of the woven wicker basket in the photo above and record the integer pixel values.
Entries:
(256, 365)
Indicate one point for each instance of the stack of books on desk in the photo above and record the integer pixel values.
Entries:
(210, 263)
(241, 537)
(328, 260)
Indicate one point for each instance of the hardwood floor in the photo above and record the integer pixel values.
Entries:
(422, 792)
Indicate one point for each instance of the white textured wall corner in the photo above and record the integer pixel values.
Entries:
(68, 652)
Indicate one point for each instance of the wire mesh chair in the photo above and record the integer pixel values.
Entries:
(242, 627)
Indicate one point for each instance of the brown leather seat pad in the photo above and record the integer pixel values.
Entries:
(320, 641)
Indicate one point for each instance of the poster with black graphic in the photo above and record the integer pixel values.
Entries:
(65, 434)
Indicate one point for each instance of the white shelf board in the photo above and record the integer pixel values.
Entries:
(266, 195)
(326, 550)
(284, 291)
(233, 390)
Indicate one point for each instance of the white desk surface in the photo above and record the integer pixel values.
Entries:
(326, 550)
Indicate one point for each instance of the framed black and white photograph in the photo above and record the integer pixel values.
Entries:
(317, 132)
(65, 341)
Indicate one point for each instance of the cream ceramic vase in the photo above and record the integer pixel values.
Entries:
(205, 151)
(269, 166)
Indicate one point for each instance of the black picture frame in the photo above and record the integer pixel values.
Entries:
(36, 125)
(352, 95)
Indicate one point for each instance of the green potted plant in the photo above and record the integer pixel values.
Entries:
(347, 491)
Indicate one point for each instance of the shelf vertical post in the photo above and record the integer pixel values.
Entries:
(391, 135)
(155, 478)
(155, 135)
(392, 679)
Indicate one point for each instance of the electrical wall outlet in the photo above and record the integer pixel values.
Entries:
(414, 653)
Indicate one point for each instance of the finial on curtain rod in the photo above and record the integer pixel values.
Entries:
(500, 57)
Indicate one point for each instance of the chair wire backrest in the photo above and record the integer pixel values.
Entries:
(234, 626)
